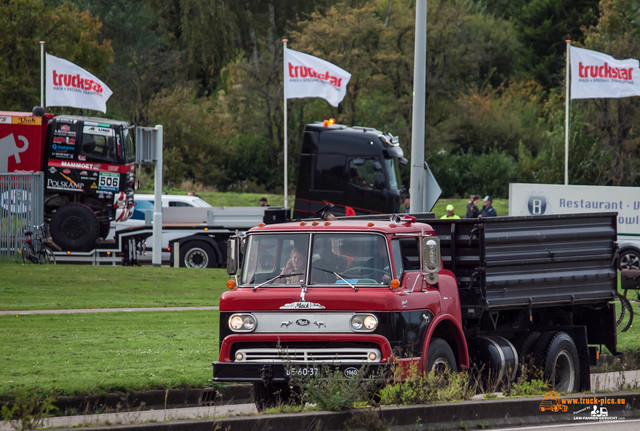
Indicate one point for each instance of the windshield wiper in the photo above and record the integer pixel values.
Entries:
(275, 278)
(337, 275)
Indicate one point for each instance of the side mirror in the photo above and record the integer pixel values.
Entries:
(233, 255)
(431, 261)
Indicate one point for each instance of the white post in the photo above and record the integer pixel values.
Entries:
(418, 117)
(284, 126)
(156, 255)
(42, 73)
(566, 119)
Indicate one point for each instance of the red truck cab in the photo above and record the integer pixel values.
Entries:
(345, 293)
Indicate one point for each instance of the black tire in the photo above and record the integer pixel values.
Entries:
(440, 356)
(561, 364)
(74, 227)
(28, 254)
(626, 309)
(270, 395)
(198, 254)
(629, 259)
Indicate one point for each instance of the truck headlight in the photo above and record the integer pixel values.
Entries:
(364, 322)
(242, 322)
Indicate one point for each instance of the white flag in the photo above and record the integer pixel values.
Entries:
(309, 76)
(70, 85)
(596, 75)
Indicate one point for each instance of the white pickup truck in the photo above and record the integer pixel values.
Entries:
(194, 233)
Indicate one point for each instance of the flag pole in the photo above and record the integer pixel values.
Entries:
(42, 73)
(566, 119)
(284, 77)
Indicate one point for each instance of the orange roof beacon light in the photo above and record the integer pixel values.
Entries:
(231, 284)
(329, 122)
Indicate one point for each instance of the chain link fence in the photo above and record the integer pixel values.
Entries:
(21, 207)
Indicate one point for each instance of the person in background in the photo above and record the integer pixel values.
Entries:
(472, 207)
(488, 210)
(263, 202)
(450, 213)
(407, 203)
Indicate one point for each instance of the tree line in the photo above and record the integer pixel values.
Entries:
(210, 71)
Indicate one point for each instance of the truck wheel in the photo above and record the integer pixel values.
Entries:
(440, 356)
(561, 364)
(198, 254)
(270, 395)
(629, 259)
(74, 227)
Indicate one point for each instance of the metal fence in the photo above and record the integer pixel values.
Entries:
(21, 207)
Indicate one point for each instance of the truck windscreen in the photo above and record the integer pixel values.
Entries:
(333, 259)
(392, 170)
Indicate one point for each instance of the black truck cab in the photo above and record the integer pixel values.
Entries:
(354, 168)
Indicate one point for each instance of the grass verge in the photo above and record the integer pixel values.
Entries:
(98, 353)
(47, 287)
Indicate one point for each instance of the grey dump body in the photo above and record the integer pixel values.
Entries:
(523, 262)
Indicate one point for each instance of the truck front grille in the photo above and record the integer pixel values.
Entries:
(308, 355)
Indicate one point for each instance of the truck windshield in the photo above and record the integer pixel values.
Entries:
(392, 170)
(129, 152)
(333, 259)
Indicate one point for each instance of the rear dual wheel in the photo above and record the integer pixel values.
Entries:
(557, 356)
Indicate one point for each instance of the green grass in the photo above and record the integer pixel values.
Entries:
(106, 352)
(39, 287)
(102, 352)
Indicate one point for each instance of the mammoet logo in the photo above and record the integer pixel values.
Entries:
(8, 148)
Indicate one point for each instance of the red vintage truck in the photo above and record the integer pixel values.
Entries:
(89, 170)
(480, 294)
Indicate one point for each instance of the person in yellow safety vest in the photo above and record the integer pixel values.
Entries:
(450, 213)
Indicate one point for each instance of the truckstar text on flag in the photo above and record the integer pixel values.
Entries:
(70, 85)
(308, 76)
(596, 75)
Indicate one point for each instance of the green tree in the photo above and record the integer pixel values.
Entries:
(613, 121)
(543, 26)
(195, 130)
(144, 62)
(70, 33)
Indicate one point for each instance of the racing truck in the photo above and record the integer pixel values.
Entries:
(363, 294)
(89, 170)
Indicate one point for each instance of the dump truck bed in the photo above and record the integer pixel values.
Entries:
(528, 262)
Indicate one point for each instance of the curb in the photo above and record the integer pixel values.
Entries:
(442, 416)
(155, 399)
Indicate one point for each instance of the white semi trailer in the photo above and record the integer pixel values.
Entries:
(539, 199)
